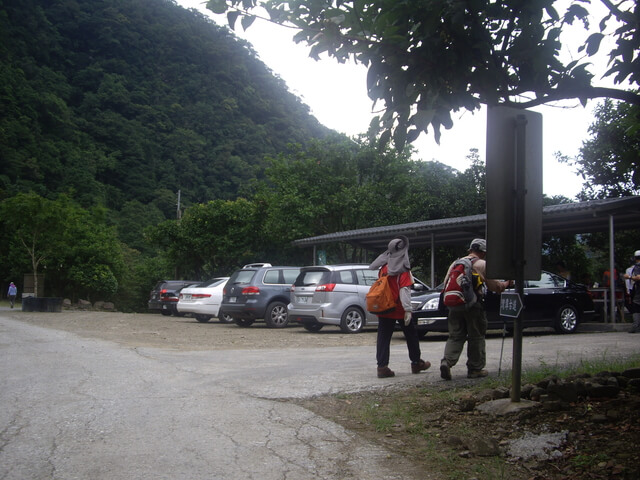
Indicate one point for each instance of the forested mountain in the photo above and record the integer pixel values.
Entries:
(122, 103)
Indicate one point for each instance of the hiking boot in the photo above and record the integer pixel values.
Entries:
(477, 373)
(385, 372)
(445, 371)
(420, 366)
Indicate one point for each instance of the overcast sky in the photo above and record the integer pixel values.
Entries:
(337, 96)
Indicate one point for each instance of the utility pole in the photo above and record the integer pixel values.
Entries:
(179, 214)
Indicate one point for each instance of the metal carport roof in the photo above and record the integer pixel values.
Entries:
(567, 218)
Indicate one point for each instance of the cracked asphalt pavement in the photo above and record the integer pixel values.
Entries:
(100, 403)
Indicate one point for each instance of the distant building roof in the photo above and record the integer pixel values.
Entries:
(567, 218)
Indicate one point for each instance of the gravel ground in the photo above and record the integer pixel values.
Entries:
(185, 333)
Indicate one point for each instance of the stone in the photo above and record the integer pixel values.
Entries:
(564, 391)
(603, 391)
(525, 391)
(84, 304)
(454, 441)
(466, 404)
(484, 447)
(536, 393)
(613, 381)
(485, 396)
(632, 372)
(634, 383)
(500, 392)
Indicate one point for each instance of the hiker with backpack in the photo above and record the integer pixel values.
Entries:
(394, 263)
(463, 294)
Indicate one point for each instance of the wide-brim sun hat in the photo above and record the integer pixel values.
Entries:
(396, 256)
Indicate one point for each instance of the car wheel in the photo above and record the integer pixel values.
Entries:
(166, 313)
(203, 318)
(313, 327)
(277, 315)
(567, 319)
(244, 322)
(224, 318)
(352, 320)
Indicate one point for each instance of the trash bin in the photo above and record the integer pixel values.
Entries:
(42, 304)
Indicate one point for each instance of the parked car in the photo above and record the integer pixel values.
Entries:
(552, 301)
(335, 295)
(164, 296)
(259, 291)
(203, 301)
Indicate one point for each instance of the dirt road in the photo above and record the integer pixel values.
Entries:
(185, 333)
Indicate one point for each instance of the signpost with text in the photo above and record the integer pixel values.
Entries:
(514, 209)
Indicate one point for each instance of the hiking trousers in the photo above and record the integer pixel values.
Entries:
(386, 326)
(467, 326)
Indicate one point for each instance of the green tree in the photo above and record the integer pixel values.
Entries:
(211, 239)
(81, 254)
(35, 225)
(427, 59)
(609, 161)
(328, 187)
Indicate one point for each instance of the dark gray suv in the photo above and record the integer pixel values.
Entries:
(259, 290)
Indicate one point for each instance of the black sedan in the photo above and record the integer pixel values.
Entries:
(552, 301)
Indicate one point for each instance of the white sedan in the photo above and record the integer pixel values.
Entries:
(203, 301)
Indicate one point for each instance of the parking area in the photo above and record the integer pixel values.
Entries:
(186, 333)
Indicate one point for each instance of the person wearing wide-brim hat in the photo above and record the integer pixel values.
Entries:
(394, 262)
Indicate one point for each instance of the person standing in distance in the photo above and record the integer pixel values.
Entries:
(633, 275)
(470, 324)
(12, 293)
(395, 263)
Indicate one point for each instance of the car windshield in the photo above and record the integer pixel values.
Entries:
(213, 283)
(309, 277)
(242, 276)
(547, 280)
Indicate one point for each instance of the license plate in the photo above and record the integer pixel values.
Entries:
(303, 299)
(186, 297)
(232, 299)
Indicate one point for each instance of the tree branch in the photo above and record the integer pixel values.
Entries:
(630, 97)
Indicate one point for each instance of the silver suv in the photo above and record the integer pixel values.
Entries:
(335, 295)
(259, 290)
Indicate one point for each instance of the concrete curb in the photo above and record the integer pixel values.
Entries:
(603, 327)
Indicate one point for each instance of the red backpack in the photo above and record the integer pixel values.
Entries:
(459, 288)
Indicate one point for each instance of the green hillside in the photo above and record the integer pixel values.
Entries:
(122, 103)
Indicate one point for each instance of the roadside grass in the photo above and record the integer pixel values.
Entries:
(420, 423)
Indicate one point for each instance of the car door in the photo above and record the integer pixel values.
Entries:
(540, 300)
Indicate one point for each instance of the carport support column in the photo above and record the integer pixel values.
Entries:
(433, 260)
(612, 278)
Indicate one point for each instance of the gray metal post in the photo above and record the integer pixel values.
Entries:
(519, 260)
(433, 260)
(612, 277)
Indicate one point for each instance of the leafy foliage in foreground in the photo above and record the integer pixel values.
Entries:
(426, 60)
